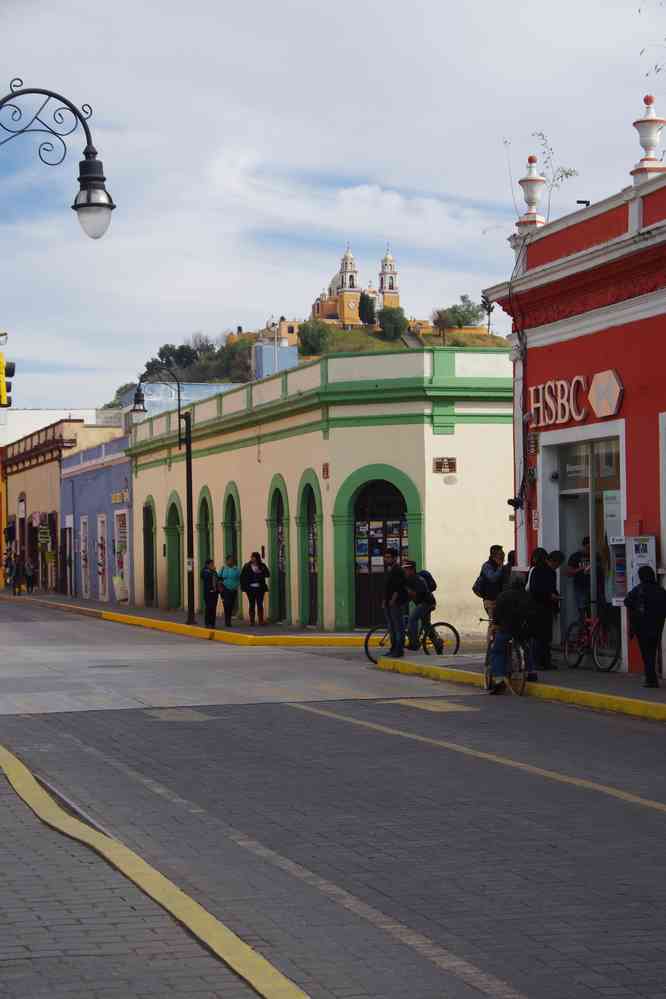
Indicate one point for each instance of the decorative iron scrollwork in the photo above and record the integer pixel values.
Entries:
(55, 118)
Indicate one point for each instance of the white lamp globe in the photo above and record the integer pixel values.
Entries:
(93, 207)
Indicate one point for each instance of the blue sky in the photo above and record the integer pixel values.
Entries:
(245, 144)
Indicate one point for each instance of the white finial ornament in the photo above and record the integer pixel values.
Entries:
(649, 135)
(532, 184)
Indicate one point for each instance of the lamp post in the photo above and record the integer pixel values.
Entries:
(186, 439)
(93, 204)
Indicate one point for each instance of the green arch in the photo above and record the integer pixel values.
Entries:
(343, 532)
(174, 546)
(149, 501)
(278, 485)
(228, 526)
(205, 546)
(309, 478)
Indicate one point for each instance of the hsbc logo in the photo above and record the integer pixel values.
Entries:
(563, 400)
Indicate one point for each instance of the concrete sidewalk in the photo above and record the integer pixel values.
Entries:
(621, 693)
(174, 622)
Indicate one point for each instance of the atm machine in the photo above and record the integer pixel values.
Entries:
(627, 555)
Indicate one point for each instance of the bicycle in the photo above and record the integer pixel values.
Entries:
(592, 635)
(439, 639)
(517, 660)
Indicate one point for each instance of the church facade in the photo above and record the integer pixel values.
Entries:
(340, 303)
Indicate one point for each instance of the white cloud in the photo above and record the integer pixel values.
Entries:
(214, 120)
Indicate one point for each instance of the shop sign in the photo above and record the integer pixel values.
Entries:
(120, 497)
(44, 535)
(564, 400)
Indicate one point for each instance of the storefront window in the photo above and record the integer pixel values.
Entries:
(574, 467)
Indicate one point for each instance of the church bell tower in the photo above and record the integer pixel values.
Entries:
(389, 291)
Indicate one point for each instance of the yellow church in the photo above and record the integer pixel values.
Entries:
(340, 303)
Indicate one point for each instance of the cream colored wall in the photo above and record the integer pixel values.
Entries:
(267, 391)
(406, 364)
(345, 451)
(490, 365)
(87, 436)
(41, 486)
(466, 513)
(304, 379)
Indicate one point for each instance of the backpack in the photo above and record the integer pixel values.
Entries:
(428, 579)
(479, 589)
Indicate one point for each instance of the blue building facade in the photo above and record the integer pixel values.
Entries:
(96, 511)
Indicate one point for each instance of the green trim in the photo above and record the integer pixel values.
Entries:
(149, 501)
(443, 364)
(205, 546)
(343, 533)
(443, 417)
(278, 485)
(174, 545)
(309, 478)
(285, 387)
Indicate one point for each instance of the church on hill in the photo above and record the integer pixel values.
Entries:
(340, 303)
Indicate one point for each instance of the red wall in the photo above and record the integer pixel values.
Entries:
(573, 239)
(637, 351)
(654, 207)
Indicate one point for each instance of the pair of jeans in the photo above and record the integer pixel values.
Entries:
(420, 613)
(229, 598)
(211, 609)
(395, 620)
(498, 653)
(648, 644)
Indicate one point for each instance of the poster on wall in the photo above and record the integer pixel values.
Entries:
(612, 502)
(361, 546)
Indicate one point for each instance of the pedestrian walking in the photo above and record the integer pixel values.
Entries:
(228, 581)
(514, 619)
(542, 587)
(29, 575)
(209, 585)
(647, 613)
(253, 583)
(395, 602)
(420, 593)
(19, 567)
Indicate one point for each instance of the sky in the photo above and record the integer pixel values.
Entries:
(245, 144)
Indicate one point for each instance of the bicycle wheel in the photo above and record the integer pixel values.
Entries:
(606, 647)
(574, 644)
(487, 672)
(517, 676)
(377, 643)
(441, 639)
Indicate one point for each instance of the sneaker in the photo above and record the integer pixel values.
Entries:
(497, 688)
(533, 677)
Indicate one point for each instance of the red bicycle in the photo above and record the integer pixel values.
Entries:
(593, 635)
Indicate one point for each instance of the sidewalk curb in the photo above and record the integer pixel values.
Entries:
(632, 706)
(193, 631)
(247, 963)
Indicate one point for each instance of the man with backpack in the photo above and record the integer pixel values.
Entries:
(647, 613)
(491, 580)
(420, 586)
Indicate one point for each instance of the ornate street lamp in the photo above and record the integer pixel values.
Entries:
(93, 204)
(183, 438)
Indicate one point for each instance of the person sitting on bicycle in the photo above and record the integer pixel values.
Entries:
(514, 619)
(424, 604)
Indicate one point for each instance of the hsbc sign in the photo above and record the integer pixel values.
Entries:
(570, 400)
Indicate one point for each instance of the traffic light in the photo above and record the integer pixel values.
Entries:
(7, 370)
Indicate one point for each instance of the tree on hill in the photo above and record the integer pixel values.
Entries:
(393, 323)
(466, 313)
(313, 337)
(366, 309)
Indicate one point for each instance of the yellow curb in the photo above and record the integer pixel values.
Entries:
(193, 631)
(223, 942)
(633, 706)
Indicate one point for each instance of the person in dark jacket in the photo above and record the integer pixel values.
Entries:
(494, 576)
(209, 586)
(542, 586)
(395, 602)
(514, 619)
(647, 613)
(253, 583)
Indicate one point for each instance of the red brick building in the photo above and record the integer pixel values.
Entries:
(588, 301)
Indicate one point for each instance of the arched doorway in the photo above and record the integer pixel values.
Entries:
(278, 548)
(231, 528)
(174, 530)
(149, 580)
(310, 540)
(205, 537)
(380, 522)
(388, 514)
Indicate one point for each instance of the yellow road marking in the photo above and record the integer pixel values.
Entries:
(246, 962)
(478, 754)
(429, 705)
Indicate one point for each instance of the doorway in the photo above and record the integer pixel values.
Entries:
(278, 557)
(149, 594)
(311, 567)
(205, 542)
(174, 558)
(380, 522)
